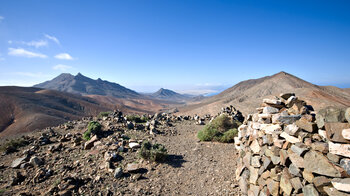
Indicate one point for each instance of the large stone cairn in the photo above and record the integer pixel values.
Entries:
(284, 150)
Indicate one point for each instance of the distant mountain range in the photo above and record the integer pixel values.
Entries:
(247, 95)
(68, 97)
(83, 85)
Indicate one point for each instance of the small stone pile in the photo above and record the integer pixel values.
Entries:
(283, 150)
(232, 111)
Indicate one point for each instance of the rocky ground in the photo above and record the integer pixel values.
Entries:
(57, 161)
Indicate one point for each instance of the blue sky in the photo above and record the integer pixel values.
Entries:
(185, 45)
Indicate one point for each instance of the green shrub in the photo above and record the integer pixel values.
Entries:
(155, 152)
(228, 136)
(103, 114)
(93, 127)
(208, 133)
(221, 129)
(13, 145)
(136, 118)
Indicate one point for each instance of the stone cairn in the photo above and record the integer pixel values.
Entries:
(286, 149)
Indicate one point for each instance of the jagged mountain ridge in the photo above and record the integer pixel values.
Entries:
(247, 95)
(83, 85)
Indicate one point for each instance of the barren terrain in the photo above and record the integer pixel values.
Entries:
(192, 167)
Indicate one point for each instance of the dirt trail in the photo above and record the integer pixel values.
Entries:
(195, 168)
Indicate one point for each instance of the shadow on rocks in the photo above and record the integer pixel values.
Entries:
(175, 160)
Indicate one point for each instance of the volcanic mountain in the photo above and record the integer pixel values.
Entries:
(24, 109)
(166, 94)
(83, 85)
(247, 95)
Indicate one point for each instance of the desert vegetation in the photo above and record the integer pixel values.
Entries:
(93, 127)
(137, 118)
(153, 152)
(221, 129)
(13, 145)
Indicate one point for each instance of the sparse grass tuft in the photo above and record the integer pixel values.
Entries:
(155, 152)
(221, 129)
(13, 145)
(93, 127)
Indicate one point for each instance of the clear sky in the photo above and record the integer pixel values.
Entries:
(180, 44)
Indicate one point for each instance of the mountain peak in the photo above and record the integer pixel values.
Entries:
(81, 84)
(282, 73)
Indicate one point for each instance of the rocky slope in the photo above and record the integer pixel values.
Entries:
(246, 94)
(57, 161)
(83, 85)
(27, 109)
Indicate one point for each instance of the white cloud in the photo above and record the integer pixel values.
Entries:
(25, 53)
(53, 38)
(61, 67)
(37, 44)
(1, 18)
(64, 56)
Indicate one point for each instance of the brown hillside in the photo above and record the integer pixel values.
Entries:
(247, 95)
(26, 109)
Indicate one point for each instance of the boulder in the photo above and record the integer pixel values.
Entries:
(320, 182)
(286, 96)
(255, 147)
(89, 144)
(270, 110)
(345, 164)
(285, 183)
(290, 119)
(291, 129)
(341, 184)
(134, 145)
(289, 138)
(339, 149)
(272, 101)
(333, 192)
(17, 162)
(118, 172)
(317, 163)
(296, 183)
(347, 114)
(290, 101)
(35, 161)
(306, 125)
(309, 190)
(334, 131)
(297, 160)
(346, 134)
(273, 187)
(132, 167)
(330, 114)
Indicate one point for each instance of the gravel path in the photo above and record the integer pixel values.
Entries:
(195, 168)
